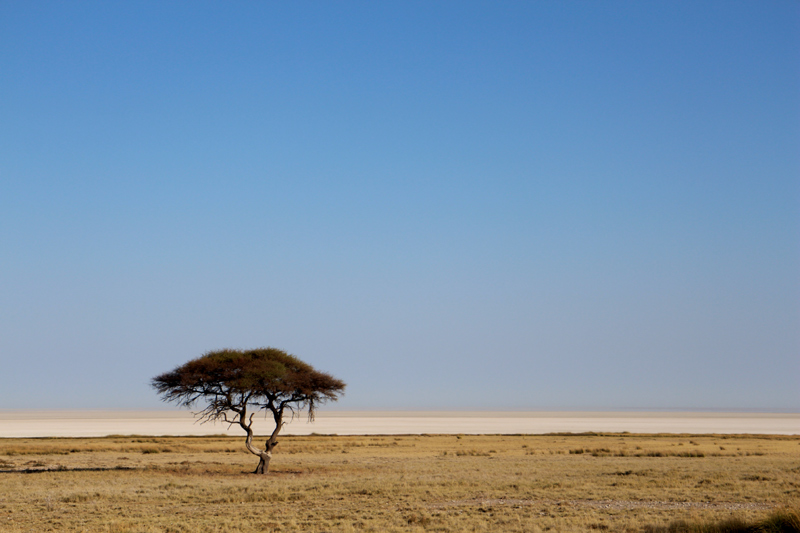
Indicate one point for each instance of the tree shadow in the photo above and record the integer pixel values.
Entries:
(65, 469)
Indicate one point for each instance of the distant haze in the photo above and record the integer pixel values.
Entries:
(448, 205)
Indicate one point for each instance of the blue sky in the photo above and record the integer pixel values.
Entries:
(448, 205)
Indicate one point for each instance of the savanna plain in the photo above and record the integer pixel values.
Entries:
(556, 482)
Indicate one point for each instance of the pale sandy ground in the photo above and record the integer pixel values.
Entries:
(153, 423)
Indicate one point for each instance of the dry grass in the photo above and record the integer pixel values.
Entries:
(613, 482)
(783, 521)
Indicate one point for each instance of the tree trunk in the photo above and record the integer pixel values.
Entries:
(263, 463)
(266, 455)
(263, 456)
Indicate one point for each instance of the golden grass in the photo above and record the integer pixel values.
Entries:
(613, 482)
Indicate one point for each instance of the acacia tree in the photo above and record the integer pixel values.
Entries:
(236, 384)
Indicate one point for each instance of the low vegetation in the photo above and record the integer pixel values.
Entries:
(785, 521)
(564, 483)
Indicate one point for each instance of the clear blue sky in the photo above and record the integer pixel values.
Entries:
(460, 205)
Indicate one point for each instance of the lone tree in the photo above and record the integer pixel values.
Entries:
(238, 383)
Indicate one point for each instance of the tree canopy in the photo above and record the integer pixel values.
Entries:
(233, 381)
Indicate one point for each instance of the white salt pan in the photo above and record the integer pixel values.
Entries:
(103, 423)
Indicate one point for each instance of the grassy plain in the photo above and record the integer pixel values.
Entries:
(593, 482)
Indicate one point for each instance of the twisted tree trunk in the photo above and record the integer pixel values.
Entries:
(266, 454)
(263, 463)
